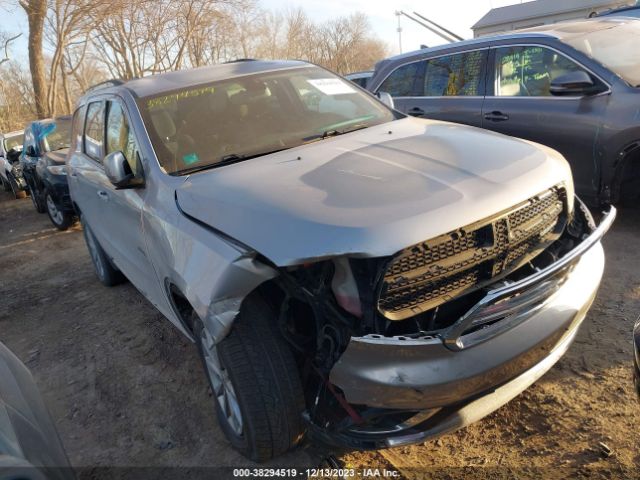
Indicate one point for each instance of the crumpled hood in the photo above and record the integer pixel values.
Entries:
(57, 156)
(371, 192)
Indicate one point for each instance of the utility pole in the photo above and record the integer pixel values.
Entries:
(399, 29)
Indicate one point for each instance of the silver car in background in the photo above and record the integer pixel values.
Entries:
(348, 273)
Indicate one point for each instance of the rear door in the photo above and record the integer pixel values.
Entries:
(519, 103)
(448, 87)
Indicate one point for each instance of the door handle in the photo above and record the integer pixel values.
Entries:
(73, 174)
(496, 116)
(416, 112)
(103, 195)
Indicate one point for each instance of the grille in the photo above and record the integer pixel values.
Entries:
(431, 273)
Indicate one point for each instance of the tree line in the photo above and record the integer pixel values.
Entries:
(73, 44)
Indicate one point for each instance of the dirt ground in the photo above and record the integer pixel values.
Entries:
(126, 389)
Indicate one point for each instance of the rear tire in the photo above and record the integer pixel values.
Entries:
(264, 381)
(108, 275)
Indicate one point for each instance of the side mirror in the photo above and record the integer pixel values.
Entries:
(119, 171)
(573, 83)
(31, 151)
(386, 98)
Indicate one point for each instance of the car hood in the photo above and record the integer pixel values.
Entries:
(372, 192)
(57, 156)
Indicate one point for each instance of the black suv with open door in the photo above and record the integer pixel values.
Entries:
(572, 86)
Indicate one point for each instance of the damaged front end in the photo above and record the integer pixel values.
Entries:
(400, 349)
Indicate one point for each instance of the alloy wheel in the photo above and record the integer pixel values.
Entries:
(221, 383)
(54, 212)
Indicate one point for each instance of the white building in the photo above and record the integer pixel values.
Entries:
(540, 12)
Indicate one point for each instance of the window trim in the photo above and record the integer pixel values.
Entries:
(125, 112)
(431, 57)
(492, 73)
(104, 129)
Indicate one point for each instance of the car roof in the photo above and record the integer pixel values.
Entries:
(12, 134)
(179, 79)
(558, 31)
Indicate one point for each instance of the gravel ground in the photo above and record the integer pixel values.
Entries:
(126, 389)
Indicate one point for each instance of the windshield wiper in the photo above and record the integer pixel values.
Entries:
(335, 133)
(227, 160)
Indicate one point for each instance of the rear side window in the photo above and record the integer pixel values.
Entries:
(454, 75)
(529, 71)
(400, 82)
(120, 136)
(77, 127)
(94, 131)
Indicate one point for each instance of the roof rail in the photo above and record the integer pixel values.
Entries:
(114, 82)
(242, 60)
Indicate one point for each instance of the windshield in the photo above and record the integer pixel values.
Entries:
(616, 48)
(13, 142)
(252, 115)
(59, 137)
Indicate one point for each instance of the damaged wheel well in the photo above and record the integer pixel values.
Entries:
(627, 180)
(181, 306)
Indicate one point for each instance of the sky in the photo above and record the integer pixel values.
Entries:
(455, 15)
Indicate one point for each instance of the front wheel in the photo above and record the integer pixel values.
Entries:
(36, 199)
(15, 189)
(61, 220)
(255, 382)
(6, 186)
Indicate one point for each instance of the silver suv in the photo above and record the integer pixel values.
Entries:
(348, 273)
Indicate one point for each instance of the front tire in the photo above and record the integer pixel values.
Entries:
(6, 186)
(15, 189)
(255, 382)
(61, 220)
(38, 204)
(108, 275)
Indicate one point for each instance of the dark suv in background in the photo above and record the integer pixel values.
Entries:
(571, 86)
(46, 144)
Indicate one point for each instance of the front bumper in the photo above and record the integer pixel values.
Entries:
(456, 380)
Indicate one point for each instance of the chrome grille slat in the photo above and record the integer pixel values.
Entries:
(426, 275)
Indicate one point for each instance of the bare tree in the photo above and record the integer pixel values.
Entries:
(6, 40)
(36, 11)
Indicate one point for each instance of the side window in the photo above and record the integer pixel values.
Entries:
(120, 137)
(94, 131)
(454, 75)
(77, 127)
(528, 71)
(29, 140)
(400, 82)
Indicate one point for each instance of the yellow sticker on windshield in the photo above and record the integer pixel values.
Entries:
(174, 97)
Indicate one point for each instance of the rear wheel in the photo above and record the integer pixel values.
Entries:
(107, 273)
(255, 382)
(60, 219)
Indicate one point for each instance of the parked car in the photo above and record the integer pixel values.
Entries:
(572, 86)
(45, 149)
(360, 78)
(10, 170)
(30, 448)
(636, 358)
(368, 278)
(622, 12)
